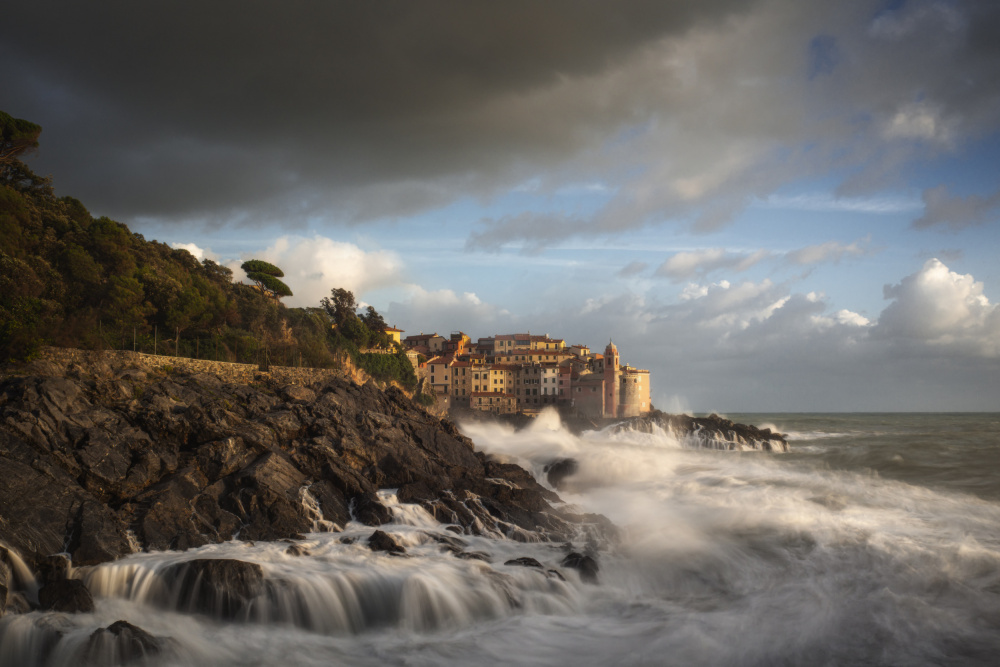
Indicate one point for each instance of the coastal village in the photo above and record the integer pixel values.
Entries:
(525, 373)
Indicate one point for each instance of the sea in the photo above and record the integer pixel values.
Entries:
(875, 540)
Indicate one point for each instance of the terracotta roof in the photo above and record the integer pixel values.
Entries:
(393, 329)
(534, 353)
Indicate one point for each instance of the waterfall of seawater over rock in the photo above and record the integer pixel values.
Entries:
(727, 558)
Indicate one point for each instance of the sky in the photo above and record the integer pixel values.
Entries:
(772, 205)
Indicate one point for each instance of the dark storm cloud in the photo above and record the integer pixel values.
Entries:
(210, 110)
(943, 208)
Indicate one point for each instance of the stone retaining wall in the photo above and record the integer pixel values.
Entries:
(116, 360)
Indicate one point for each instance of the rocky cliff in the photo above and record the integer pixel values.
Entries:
(99, 462)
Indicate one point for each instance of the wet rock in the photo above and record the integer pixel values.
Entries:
(474, 555)
(183, 460)
(555, 574)
(265, 497)
(557, 471)
(369, 511)
(12, 600)
(713, 432)
(524, 561)
(504, 585)
(68, 595)
(453, 544)
(220, 587)
(585, 565)
(297, 550)
(120, 643)
(53, 568)
(382, 541)
(6, 582)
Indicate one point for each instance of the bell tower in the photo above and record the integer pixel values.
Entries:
(611, 398)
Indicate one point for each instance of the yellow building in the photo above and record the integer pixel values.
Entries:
(489, 401)
(395, 334)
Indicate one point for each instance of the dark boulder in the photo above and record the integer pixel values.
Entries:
(120, 643)
(557, 471)
(474, 555)
(382, 541)
(524, 561)
(585, 565)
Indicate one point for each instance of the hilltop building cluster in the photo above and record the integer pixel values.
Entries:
(525, 373)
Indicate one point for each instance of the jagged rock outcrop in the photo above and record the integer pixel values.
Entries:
(585, 565)
(382, 541)
(91, 464)
(120, 643)
(713, 432)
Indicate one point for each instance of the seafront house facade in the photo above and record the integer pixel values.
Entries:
(526, 373)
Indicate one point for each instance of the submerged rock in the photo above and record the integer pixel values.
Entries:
(220, 587)
(524, 561)
(712, 432)
(382, 541)
(585, 565)
(474, 555)
(557, 471)
(120, 643)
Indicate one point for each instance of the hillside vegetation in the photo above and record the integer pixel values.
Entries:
(72, 280)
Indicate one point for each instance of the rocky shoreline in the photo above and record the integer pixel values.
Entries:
(99, 462)
(103, 458)
(711, 432)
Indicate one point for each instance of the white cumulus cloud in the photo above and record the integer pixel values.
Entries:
(941, 308)
(315, 265)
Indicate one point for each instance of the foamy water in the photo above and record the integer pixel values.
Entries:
(829, 555)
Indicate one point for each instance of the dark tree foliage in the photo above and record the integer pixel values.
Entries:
(69, 279)
(340, 305)
(265, 276)
(373, 320)
(17, 137)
